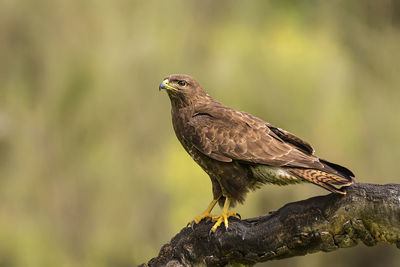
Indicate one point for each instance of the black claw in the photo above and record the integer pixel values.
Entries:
(192, 226)
(210, 233)
(238, 215)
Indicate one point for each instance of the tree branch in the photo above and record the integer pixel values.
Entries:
(368, 212)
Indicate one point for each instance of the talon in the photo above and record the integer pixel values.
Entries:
(198, 219)
(210, 232)
(218, 223)
(226, 223)
(205, 214)
(223, 218)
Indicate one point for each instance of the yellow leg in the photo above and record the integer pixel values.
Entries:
(223, 217)
(205, 214)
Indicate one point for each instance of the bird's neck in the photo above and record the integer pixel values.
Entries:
(188, 103)
(181, 110)
(184, 109)
(179, 102)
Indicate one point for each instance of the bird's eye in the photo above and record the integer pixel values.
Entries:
(182, 83)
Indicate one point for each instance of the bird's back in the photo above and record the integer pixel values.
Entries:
(272, 154)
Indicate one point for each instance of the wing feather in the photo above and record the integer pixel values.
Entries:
(225, 135)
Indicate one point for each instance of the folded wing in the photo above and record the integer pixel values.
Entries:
(225, 135)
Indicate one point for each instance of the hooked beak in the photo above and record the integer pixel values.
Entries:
(165, 85)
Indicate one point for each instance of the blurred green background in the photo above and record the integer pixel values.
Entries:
(91, 173)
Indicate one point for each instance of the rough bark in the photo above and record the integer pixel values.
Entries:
(369, 213)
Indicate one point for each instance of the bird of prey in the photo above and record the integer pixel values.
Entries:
(241, 152)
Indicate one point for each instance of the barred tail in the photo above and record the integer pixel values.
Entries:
(328, 181)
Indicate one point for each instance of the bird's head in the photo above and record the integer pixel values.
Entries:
(182, 87)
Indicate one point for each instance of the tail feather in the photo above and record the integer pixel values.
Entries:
(337, 169)
(331, 182)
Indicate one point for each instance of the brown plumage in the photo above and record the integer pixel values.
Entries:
(241, 152)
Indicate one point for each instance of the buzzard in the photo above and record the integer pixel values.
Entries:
(241, 152)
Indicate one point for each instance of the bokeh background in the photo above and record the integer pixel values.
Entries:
(91, 173)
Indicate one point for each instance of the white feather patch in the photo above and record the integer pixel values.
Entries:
(274, 175)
